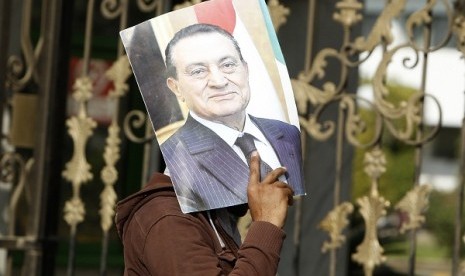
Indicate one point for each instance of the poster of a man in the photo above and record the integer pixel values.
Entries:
(207, 152)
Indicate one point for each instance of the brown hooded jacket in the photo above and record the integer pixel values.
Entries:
(159, 239)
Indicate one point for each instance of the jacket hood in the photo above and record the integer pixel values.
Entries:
(126, 208)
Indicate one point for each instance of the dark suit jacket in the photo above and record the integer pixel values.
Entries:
(208, 174)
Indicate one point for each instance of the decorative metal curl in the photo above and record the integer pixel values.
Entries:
(136, 119)
(409, 110)
(19, 72)
(278, 13)
(112, 8)
(354, 125)
(149, 5)
(348, 12)
(334, 223)
(414, 203)
(306, 93)
(459, 28)
(424, 17)
(381, 31)
(413, 119)
(11, 167)
(24, 169)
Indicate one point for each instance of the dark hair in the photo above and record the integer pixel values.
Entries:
(189, 31)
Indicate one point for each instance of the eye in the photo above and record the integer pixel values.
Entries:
(229, 67)
(198, 72)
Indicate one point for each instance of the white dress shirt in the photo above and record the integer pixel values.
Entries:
(229, 135)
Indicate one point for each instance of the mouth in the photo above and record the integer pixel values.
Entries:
(223, 96)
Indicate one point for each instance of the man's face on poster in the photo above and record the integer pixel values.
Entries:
(211, 78)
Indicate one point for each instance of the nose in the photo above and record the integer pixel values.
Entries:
(216, 77)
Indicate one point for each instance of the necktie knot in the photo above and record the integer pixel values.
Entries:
(246, 144)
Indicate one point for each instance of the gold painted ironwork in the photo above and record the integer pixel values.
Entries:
(458, 28)
(278, 13)
(118, 74)
(151, 6)
(20, 72)
(80, 128)
(370, 252)
(77, 171)
(334, 222)
(136, 119)
(372, 207)
(414, 203)
(14, 170)
(348, 12)
(409, 111)
(381, 31)
(109, 176)
(459, 31)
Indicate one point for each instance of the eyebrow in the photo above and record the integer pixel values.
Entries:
(204, 63)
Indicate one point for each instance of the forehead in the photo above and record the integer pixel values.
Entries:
(204, 46)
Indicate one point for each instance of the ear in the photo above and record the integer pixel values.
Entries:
(173, 86)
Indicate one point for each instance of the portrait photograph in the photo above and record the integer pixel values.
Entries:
(216, 88)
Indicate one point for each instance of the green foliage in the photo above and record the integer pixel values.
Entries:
(440, 218)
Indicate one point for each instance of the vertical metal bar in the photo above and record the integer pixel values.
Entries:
(44, 150)
(104, 256)
(419, 149)
(82, 111)
(310, 31)
(120, 51)
(88, 37)
(337, 180)
(5, 9)
(459, 211)
(298, 203)
(71, 251)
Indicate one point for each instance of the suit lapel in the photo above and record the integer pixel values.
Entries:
(217, 158)
(284, 148)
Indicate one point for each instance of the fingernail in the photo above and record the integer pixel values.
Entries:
(254, 153)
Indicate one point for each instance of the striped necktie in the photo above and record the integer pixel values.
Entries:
(247, 145)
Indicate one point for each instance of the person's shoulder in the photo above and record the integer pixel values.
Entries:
(158, 207)
(178, 135)
(155, 201)
(275, 123)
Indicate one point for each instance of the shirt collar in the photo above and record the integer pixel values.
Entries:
(229, 135)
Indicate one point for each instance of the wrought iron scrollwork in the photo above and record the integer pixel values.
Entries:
(20, 72)
(133, 120)
(149, 5)
(112, 8)
(388, 113)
